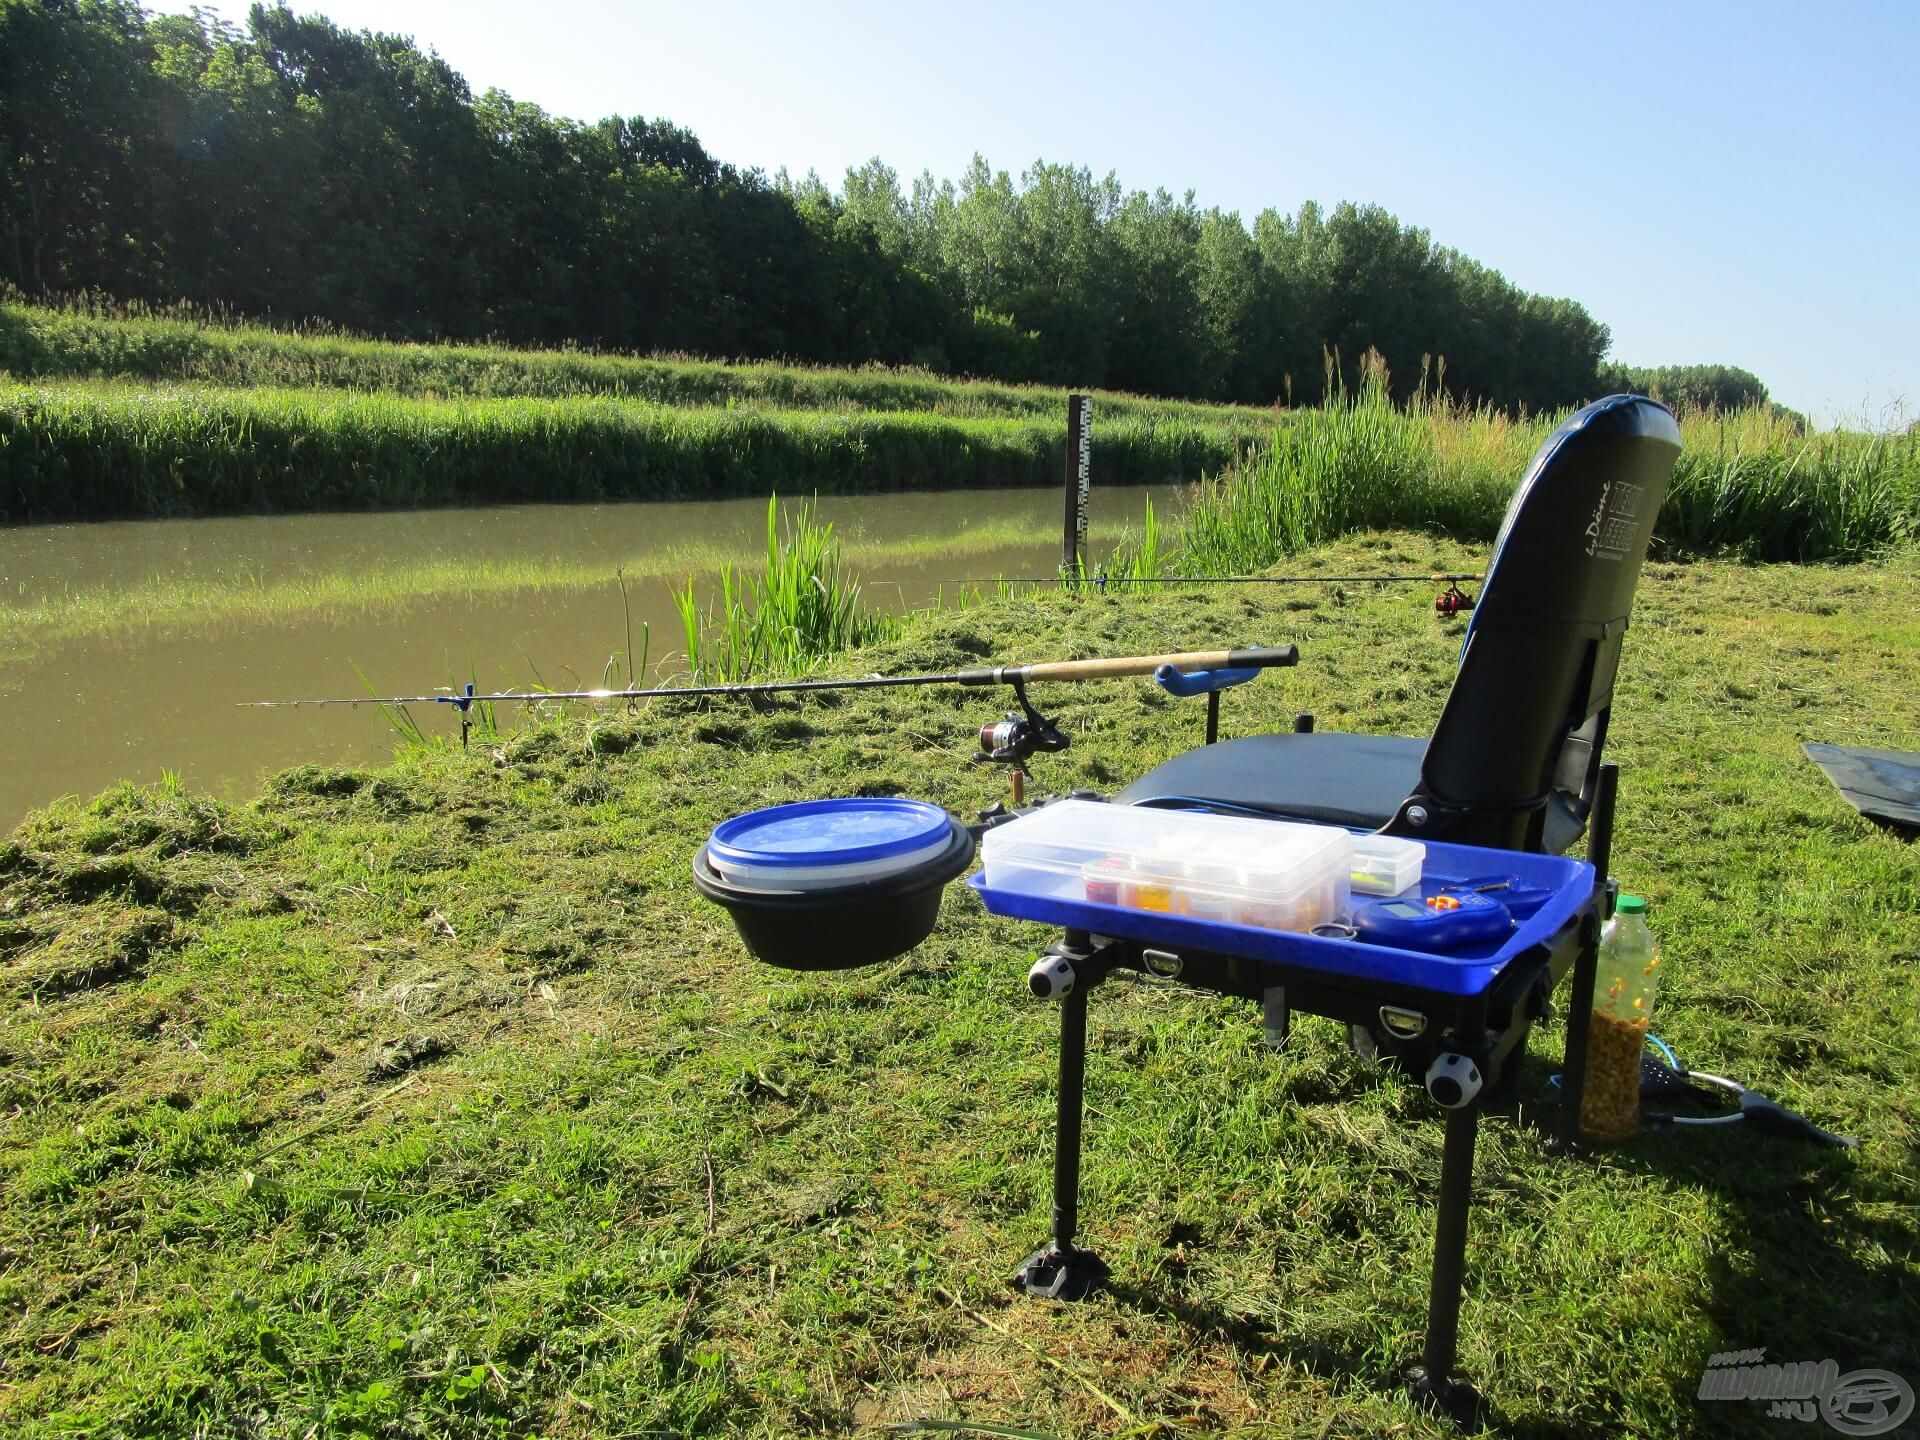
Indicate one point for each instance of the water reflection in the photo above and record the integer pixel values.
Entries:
(136, 698)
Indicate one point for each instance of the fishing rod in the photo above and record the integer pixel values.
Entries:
(1451, 601)
(1102, 580)
(1030, 731)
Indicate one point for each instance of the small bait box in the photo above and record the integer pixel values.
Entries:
(1383, 865)
(833, 884)
(1215, 869)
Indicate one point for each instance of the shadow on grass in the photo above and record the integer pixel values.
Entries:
(1817, 1265)
(1812, 1274)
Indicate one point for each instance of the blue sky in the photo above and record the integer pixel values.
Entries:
(1716, 182)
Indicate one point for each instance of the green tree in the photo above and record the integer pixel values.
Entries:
(74, 193)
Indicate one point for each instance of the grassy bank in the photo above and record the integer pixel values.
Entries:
(192, 419)
(433, 1100)
(1748, 483)
(99, 450)
(38, 343)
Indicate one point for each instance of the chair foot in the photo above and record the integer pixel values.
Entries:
(1053, 1273)
(1449, 1395)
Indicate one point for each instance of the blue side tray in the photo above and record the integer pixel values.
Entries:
(1468, 970)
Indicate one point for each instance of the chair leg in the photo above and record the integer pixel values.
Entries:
(1573, 1065)
(1060, 1270)
(1436, 1384)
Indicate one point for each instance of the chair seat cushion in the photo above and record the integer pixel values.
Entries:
(1356, 780)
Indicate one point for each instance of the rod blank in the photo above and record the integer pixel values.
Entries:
(1109, 668)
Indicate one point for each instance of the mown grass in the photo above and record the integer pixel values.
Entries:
(41, 343)
(87, 450)
(432, 1100)
(1748, 483)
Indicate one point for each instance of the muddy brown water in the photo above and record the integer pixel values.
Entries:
(133, 696)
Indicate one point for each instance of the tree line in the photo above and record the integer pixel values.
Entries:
(294, 170)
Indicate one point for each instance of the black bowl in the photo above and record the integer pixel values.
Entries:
(845, 926)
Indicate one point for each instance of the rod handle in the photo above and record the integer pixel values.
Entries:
(1255, 657)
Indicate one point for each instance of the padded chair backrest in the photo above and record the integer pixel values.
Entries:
(1523, 727)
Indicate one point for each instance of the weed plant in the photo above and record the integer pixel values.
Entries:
(804, 607)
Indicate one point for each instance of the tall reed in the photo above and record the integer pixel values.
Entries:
(1747, 483)
(804, 608)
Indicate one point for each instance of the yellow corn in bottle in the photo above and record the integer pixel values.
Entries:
(1623, 991)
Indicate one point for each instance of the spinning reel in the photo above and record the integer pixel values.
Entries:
(1011, 741)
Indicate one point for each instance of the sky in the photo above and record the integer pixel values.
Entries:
(1718, 183)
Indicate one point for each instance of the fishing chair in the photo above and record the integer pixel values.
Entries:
(1515, 759)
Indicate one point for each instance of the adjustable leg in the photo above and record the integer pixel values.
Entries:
(1436, 1384)
(1573, 1065)
(1059, 1270)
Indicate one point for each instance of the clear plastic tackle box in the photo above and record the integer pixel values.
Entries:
(1384, 865)
(1269, 874)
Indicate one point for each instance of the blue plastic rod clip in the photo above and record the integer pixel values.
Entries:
(1202, 682)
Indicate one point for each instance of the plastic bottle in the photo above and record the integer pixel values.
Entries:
(1623, 992)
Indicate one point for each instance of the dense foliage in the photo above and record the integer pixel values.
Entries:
(297, 171)
(1688, 387)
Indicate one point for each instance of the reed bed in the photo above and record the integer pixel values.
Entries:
(1749, 484)
(52, 344)
(102, 450)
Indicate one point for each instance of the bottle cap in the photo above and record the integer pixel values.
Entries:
(1631, 905)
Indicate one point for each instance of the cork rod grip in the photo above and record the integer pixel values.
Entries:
(1258, 656)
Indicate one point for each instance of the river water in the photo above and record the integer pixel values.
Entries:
(168, 624)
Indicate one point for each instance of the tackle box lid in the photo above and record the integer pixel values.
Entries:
(1273, 859)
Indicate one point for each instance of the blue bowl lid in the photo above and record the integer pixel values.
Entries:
(819, 834)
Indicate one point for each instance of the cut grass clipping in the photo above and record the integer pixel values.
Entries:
(433, 1101)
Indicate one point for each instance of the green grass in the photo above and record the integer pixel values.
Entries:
(86, 450)
(40, 343)
(1747, 483)
(433, 1100)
